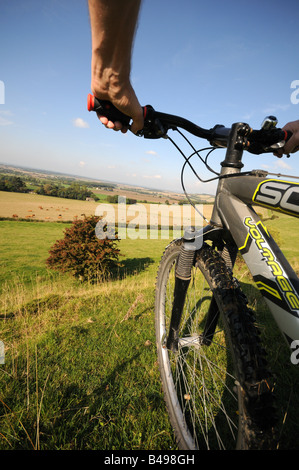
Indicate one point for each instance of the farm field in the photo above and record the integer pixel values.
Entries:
(54, 209)
(142, 194)
(46, 208)
(80, 367)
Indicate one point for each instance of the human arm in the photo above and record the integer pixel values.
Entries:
(113, 24)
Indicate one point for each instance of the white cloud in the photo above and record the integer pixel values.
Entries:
(3, 120)
(79, 122)
(152, 176)
(283, 164)
(82, 163)
(151, 152)
(273, 108)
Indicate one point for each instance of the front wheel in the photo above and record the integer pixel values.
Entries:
(216, 384)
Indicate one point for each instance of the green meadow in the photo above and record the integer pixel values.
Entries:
(80, 368)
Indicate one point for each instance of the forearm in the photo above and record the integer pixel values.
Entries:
(113, 24)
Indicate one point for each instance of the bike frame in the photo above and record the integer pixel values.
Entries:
(234, 219)
(233, 214)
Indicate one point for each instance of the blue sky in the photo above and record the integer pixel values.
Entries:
(211, 62)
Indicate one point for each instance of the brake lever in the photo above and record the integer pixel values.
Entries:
(270, 122)
(153, 127)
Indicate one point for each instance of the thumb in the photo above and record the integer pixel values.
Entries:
(138, 122)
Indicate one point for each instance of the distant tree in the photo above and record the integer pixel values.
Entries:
(113, 199)
(12, 184)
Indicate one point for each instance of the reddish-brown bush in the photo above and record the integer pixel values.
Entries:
(82, 254)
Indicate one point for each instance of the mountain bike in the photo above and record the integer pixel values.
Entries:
(216, 381)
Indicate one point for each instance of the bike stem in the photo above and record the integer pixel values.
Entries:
(236, 143)
(232, 163)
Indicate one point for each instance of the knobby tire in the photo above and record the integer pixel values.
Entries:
(218, 392)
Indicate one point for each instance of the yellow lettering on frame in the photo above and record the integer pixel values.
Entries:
(275, 268)
(293, 300)
(255, 233)
(247, 222)
(284, 283)
(268, 254)
(259, 243)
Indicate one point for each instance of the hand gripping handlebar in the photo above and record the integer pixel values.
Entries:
(156, 125)
(105, 108)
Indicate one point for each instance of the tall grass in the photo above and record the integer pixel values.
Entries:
(80, 366)
(80, 370)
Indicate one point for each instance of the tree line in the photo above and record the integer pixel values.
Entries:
(74, 191)
(115, 199)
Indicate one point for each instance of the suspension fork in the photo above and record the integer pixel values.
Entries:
(183, 269)
(184, 264)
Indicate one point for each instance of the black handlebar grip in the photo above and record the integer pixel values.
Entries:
(288, 135)
(107, 109)
(280, 135)
(263, 141)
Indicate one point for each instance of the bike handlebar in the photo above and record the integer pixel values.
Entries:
(156, 125)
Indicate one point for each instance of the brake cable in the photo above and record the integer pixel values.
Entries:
(187, 161)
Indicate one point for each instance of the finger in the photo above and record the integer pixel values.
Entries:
(137, 124)
(103, 120)
(278, 154)
(118, 126)
(290, 145)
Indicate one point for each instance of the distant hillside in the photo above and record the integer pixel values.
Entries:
(34, 176)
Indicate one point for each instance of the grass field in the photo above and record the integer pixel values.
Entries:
(80, 366)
